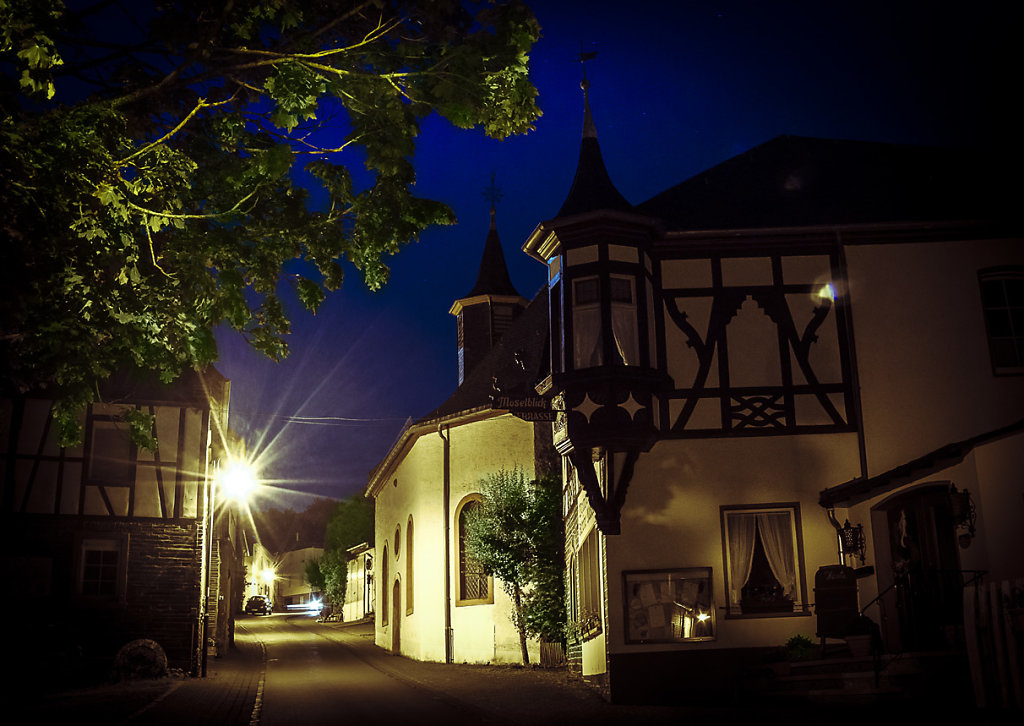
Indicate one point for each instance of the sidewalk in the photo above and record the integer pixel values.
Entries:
(226, 696)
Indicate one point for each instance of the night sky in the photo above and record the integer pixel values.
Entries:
(675, 88)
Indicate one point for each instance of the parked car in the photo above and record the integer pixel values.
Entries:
(258, 605)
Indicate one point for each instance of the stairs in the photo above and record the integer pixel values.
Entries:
(941, 677)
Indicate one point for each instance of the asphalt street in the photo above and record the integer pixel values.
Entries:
(289, 669)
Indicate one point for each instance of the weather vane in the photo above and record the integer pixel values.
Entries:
(493, 193)
(582, 60)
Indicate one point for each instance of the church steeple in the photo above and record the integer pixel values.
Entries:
(490, 307)
(592, 188)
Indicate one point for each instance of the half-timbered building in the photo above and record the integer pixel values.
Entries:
(812, 332)
(108, 542)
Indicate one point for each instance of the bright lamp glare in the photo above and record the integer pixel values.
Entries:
(238, 481)
(827, 292)
(268, 574)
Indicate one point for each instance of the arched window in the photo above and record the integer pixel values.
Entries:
(384, 587)
(475, 586)
(408, 567)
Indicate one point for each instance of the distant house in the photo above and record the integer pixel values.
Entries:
(433, 601)
(109, 542)
(260, 570)
(293, 589)
(812, 334)
(359, 591)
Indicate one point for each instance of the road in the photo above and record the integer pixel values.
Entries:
(320, 674)
(288, 669)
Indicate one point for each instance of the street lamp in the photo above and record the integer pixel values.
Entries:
(235, 483)
(238, 480)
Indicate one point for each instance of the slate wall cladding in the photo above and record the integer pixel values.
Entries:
(161, 588)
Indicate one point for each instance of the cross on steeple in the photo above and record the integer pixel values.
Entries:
(493, 193)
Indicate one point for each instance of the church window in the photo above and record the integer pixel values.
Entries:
(384, 609)
(475, 585)
(408, 567)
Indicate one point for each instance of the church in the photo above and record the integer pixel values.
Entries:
(795, 376)
(433, 602)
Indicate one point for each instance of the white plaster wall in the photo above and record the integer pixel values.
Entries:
(672, 518)
(484, 633)
(922, 354)
(481, 633)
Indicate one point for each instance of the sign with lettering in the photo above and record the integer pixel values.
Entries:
(528, 408)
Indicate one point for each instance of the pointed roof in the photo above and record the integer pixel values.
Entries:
(592, 189)
(493, 277)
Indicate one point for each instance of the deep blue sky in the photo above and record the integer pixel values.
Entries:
(675, 88)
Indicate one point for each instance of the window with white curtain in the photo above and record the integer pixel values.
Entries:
(762, 548)
(586, 323)
(623, 300)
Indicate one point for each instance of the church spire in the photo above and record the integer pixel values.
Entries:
(592, 188)
(490, 307)
(493, 277)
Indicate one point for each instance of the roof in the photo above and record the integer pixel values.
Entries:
(796, 181)
(515, 364)
(592, 188)
(862, 488)
(493, 277)
(517, 361)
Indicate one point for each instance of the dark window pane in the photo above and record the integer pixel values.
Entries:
(1015, 291)
(621, 290)
(998, 323)
(992, 295)
(586, 292)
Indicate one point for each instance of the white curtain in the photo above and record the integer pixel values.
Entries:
(777, 539)
(586, 337)
(742, 530)
(624, 330)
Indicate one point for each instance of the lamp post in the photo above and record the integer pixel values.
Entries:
(235, 482)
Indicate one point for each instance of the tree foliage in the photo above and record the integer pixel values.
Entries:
(281, 530)
(516, 535)
(158, 161)
(350, 524)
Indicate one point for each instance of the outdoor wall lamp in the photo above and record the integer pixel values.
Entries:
(964, 514)
(851, 539)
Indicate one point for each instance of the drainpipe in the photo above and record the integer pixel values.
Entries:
(444, 433)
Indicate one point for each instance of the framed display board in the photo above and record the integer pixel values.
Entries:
(668, 606)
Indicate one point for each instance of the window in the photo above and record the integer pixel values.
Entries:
(763, 552)
(589, 572)
(1002, 297)
(102, 569)
(408, 567)
(111, 459)
(474, 584)
(384, 587)
(627, 350)
(586, 323)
